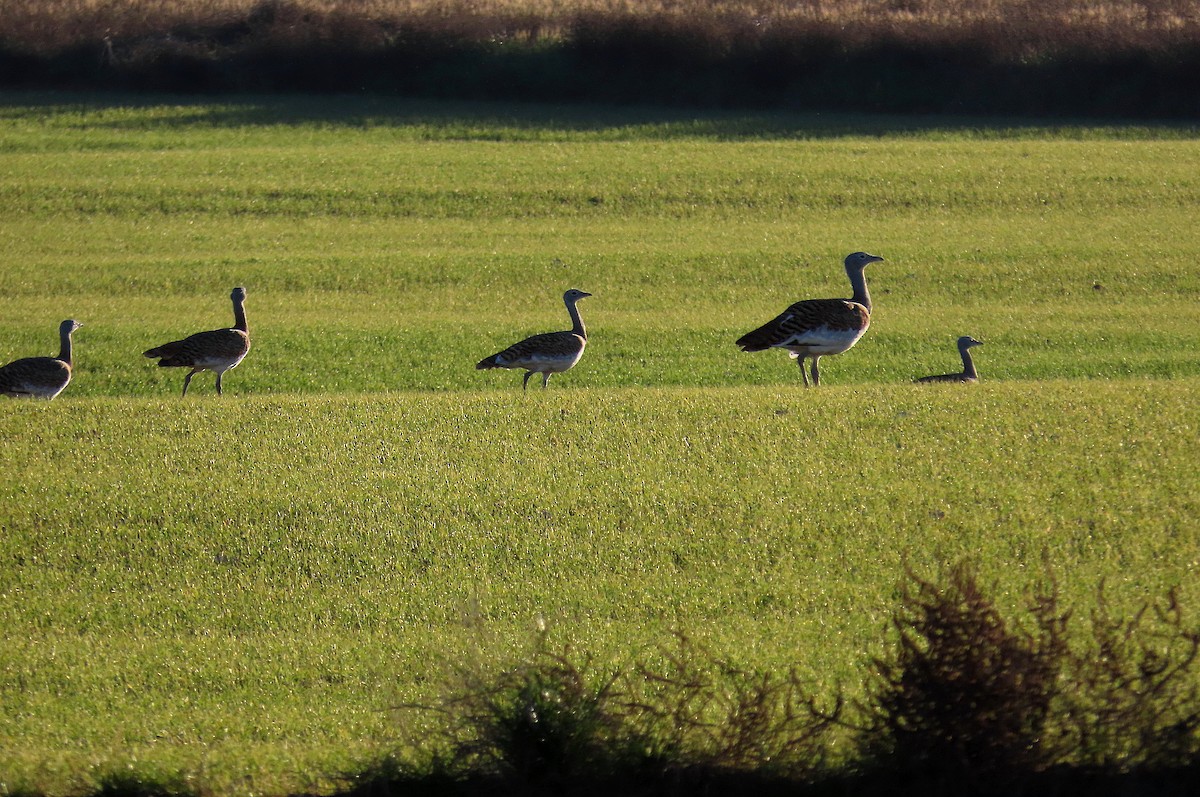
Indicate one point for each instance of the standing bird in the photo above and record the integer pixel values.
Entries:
(217, 350)
(968, 372)
(41, 377)
(817, 327)
(548, 353)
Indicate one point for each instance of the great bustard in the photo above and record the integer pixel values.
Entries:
(817, 327)
(41, 377)
(217, 350)
(965, 343)
(548, 353)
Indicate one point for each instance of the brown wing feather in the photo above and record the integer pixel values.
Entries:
(805, 316)
(547, 344)
(218, 343)
(31, 375)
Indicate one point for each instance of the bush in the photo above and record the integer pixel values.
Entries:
(695, 711)
(681, 720)
(542, 720)
(966, 695)
(965, 702)
(968, 700)
(1138, 703)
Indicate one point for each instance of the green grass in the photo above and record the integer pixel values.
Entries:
(238, 589)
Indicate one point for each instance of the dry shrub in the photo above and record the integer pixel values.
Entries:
(693, 710)
(1138, 701)
(968, 701)
(681, 720)
(966, 695)
(541, 720)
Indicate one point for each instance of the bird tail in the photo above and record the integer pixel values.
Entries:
(164, 352)
(758, 340)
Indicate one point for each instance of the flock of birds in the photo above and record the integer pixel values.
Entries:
(809, 329)
(217, 350)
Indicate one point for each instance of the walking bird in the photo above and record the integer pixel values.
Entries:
(216, 351)
(815, 328)
(548, 353)
(965, 343)
(41, 377)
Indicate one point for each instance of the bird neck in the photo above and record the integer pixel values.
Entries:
(576, 321)
(968, 363)
(239, 317)
(858, 281)
(64, 350)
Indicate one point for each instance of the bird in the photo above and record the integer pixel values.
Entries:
(814, 328)
(547, 353)
(965, 343)
(217, 350)
(41, 377)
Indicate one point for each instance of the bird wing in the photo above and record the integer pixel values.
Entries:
(36, 375)
(806, 322)
(217, 344)
(548, 347)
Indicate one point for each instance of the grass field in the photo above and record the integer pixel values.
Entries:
(237, 589)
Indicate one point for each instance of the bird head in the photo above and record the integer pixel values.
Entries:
(575, 295)
(966, 342)
(238, 295)
(860, 260)
(68, 326)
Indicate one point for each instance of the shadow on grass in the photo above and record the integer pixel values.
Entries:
(516, 121)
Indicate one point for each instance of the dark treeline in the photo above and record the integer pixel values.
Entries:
(1122, 59)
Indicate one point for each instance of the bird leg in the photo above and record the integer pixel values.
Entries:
(545, 379)
(525, 382)
(187, 379)
(219, 382)
(803, 373)
(816, 374)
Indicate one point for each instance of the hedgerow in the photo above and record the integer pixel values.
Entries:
(1117, 58)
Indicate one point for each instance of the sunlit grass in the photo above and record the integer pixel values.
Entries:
(237, 589)
(221, 586)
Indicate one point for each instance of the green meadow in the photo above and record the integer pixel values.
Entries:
(240, 590)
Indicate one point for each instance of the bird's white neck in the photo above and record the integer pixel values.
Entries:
(576, 321)
(858, 282)
(239, 316)
(64, 350)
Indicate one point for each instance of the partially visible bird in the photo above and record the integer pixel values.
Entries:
(216, 351)
(41, 377)
(548, 353)
(814, 328)
(965, 343)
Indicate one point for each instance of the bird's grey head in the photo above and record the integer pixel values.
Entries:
(69, 326)
(575, 295)
(860, 260)
(966, 342)
(238, 295)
